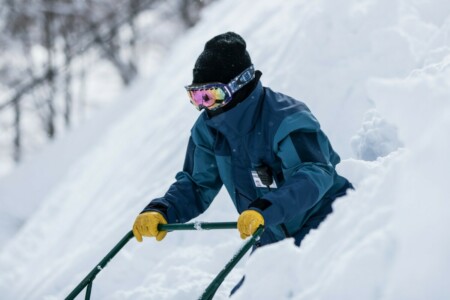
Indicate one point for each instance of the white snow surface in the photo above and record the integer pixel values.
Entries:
(377, 76)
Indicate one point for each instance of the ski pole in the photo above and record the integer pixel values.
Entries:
(212, 288)
(87, 281)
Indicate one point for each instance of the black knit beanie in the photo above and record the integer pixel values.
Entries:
(223, 58)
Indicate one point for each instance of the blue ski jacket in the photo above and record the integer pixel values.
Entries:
(266, 129)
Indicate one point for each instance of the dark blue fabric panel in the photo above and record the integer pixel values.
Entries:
(307, 146)
(189, 159)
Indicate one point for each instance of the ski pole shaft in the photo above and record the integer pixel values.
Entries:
(215, 284)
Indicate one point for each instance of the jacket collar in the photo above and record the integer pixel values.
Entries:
(242, 118)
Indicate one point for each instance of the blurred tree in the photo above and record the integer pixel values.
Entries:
(41, 39)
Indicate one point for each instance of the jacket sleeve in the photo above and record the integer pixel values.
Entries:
(195, 187)
(305, 155)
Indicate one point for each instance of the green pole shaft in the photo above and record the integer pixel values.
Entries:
(215, 284)
(88, 291)
(167, 227)
(90, 277)
(198, 226)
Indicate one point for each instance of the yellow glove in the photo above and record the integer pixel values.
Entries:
(146, 224)
(248, 222)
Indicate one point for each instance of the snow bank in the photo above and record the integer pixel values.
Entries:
(387, 239)
(381, 64)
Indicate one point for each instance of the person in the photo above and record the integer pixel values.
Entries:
(266, 148)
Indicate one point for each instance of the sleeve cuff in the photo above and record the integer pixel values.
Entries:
(158, 207)
(271, 213)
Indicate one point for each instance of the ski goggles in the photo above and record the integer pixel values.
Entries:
(215, 95)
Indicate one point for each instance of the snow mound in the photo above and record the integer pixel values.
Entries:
(376, 138)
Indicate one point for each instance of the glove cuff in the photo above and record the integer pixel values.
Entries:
(156, 207)
(268, 210)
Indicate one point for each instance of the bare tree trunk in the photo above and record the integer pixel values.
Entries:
(111, 50)
(17, 153)
(133, 13)
(128, 71)
(82, 94)
(67, 82)
(50, 118)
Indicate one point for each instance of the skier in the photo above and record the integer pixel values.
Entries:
(265, 147)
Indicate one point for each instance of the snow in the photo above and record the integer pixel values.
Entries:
(376, 138)
(198, 225)
(377, 76)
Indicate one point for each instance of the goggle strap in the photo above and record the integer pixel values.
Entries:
(242, 79)
(205, 87)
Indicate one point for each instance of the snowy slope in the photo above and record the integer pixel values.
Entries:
(375, 73)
